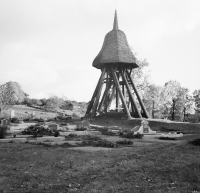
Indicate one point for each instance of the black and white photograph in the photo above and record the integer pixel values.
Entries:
(100, 96)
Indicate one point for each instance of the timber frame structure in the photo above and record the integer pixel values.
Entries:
(116, 62)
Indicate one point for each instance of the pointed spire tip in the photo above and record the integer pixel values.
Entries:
(115, 25)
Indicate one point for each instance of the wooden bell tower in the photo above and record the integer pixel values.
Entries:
(116, 62)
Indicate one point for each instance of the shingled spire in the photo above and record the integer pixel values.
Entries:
(115, 24)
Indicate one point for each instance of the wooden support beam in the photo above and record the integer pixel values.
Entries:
(117, 97)
(94, 108)
(138, 96)
(120, 92)
(112, 95)
(102, 100)
(123, 92)
(130, 95)
(106, 96)
(102, 103)
(93, 96)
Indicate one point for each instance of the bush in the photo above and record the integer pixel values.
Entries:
(164, 129)
(38, 130)
(138, 135)
(63, 124)
(15, 120)
(167, 138)
(80, 129)
(3, 131)
(195, 142)
(107, 132)
(38, 119)
(124, 142)
(131, 135)
(56, 133)
(97, 142)
(26, 119)
(72, 135)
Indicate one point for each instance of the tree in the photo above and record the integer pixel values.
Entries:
(54, 103)
(153, 99)
(196, 96)
(36, 102)
(43, 102)
(186, 102)
(67, 105)
(10, 94)
(141, 77)
(170, 94)
(27, 101)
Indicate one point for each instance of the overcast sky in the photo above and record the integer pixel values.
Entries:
(48, 46)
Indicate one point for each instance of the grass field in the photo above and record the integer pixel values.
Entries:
(145, 167)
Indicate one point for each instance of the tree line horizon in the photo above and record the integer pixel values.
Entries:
(168, 101)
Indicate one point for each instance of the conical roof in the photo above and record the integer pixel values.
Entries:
(115, 49)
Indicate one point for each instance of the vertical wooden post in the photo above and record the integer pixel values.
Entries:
(130, 94)
(111, 96)
(123, 85)
(138, 96)
(106, 96)
(94, 108)
(120, 92)
(94, 95)
(117, 97)
(102, 100)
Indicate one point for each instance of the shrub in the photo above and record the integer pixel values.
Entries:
(138, 135)
(72, 135)
(38, 130)
(107, 133)
(104, 143)
(80, 129)
(38, 119)
(195, 142)
(164, 129)
(167, 138)
(63, 124)
(97, 142)
(26, 119)
(56, 133)
(131, 135)
(3, 131)
(124, 142)
(15, 120)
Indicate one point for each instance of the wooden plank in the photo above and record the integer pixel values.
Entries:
(102, 100)
(120, 92)
(117, 97)
(130, 94)
(111, 96)
(93, 96)
(138, 96)
(102, 103)
(94, 108)
(106, 97)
